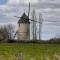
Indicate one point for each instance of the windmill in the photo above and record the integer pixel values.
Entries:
(23, 32)
(25, 17)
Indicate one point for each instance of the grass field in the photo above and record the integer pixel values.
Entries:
(30, 51)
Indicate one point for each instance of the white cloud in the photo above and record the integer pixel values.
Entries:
(50, 1)
(31, 1)
(13, 1)
(21, 1)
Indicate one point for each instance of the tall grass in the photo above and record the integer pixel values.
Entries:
(29, 51)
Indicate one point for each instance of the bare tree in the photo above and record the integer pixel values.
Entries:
(10, 30)
(40, 25)
(34, 23)
(6, 32)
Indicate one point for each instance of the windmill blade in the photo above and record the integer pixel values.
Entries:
(35, 21)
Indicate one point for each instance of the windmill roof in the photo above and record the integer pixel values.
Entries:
(24, 19)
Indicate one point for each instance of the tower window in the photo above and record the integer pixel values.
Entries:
(19, 25)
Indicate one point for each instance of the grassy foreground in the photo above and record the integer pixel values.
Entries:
(30, 51)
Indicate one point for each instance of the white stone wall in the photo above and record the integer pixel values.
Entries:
(22, 31)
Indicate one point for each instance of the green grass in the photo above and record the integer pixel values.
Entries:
(30, 51)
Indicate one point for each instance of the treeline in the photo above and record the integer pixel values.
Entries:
(32, 41)
(36, 41)
(57, 41)
(51, 41)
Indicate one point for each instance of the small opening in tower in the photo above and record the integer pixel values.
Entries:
(19, 25)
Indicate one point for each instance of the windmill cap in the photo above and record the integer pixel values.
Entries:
(24, 19)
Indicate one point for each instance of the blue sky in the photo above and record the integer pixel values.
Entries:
(50, 10)
(3, 2)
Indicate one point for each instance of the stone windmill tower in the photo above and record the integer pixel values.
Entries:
(23, 30)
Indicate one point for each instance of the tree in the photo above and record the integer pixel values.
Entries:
(34, 24)
(10, 30)
(6, 32)
(40, 24)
